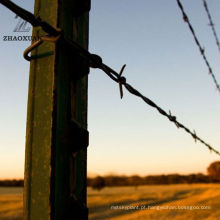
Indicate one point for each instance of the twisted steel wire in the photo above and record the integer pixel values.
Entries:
(211, 24)
(96, 62)
(201, 49)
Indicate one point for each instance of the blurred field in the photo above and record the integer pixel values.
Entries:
(178, 202)
(11, 203)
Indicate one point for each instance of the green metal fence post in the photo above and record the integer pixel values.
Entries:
(55, 163)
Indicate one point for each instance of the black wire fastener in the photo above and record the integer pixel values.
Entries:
(95, 61)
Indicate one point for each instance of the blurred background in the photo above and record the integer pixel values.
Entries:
(163, 62)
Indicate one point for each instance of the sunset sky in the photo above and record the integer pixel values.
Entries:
(163, 62)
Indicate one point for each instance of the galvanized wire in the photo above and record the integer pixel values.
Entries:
(212, 25)
(117, 78)
(201, 49)
(96, 62)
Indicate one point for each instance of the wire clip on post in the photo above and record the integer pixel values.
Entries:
(38, 43)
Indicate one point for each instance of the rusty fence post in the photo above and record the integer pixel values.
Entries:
(56, 135)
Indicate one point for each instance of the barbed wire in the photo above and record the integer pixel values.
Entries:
(122, 80)
(201, 49)
(96, 62)
(211, 23)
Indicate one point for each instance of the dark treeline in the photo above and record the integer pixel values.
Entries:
(100, 182)
(12, 183)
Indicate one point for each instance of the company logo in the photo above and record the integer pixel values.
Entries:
(22, 25)
(21, 32)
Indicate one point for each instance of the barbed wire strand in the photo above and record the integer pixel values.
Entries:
(172, 118)
(96, 62)
(201, 49)
(211, 24)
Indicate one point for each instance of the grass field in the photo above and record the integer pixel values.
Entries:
(176, 202)
(11, 203)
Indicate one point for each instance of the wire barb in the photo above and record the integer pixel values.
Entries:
(194, 135)
(202, 50)
(96, 62)
(173, 119)
(121, 80)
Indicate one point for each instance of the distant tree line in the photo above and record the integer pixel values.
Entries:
(12, 183)
(213, 177)
(100, 182)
